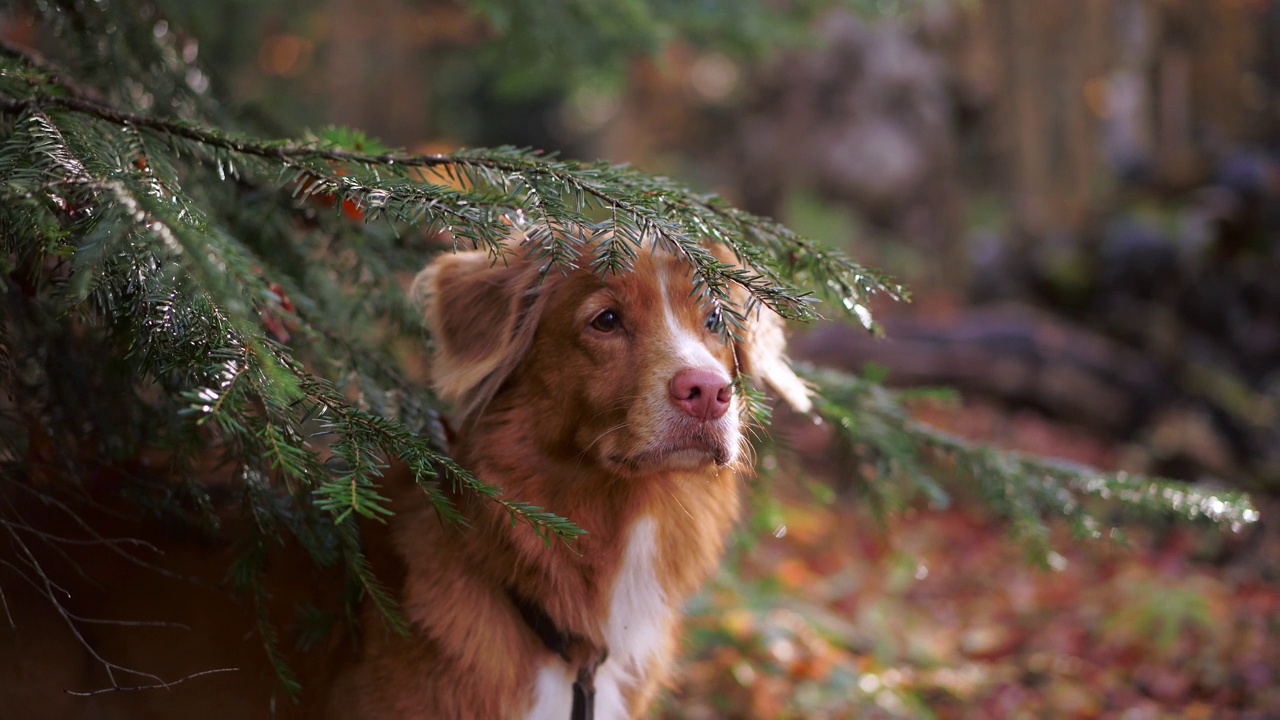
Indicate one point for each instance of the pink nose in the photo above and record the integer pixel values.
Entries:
(702, 393)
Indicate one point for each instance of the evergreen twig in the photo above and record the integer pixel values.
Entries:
(907, 457)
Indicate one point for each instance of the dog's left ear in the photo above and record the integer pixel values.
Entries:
(763, 357)
(481, 313)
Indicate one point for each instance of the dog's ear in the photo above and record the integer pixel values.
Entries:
(481, 313)
(762, 356)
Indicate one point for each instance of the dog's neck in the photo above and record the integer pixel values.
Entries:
(650, 542)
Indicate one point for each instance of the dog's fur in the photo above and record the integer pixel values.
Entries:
(561, 409)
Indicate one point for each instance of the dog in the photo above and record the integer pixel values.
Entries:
(609, 399)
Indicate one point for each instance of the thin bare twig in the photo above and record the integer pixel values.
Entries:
(90, 620)
(72, 541)
(4, 600)
(111, 668)
(156, 686)
(111, 544)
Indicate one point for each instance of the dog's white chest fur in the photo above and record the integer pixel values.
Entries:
(635, 629)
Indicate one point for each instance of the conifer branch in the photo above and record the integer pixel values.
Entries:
(904, 458)
(56, 75)
(640, 206)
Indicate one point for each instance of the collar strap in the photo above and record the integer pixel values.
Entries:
(567, 646)
(537, 619)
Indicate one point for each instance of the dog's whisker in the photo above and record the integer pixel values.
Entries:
(676, 498)
(599, 437)
(582, 455)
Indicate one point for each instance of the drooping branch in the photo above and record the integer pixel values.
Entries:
(908, 457)
(678, 218)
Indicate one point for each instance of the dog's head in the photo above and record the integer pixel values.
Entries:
(625, 371)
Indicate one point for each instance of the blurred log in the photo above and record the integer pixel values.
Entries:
(1013, 354)
(1185, 425)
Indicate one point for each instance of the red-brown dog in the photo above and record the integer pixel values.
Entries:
(607, 401)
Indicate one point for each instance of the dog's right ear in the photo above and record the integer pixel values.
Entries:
(481, 312)
(763, 356)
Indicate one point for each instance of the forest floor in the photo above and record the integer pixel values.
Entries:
(824, 611)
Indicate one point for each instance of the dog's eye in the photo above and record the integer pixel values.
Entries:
(607, 321)
(712, 322)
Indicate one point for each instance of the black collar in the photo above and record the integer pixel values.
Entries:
(570, 647)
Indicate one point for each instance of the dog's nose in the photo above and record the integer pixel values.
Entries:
(702, 393)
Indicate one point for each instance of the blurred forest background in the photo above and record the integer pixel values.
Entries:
(1082, 195)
